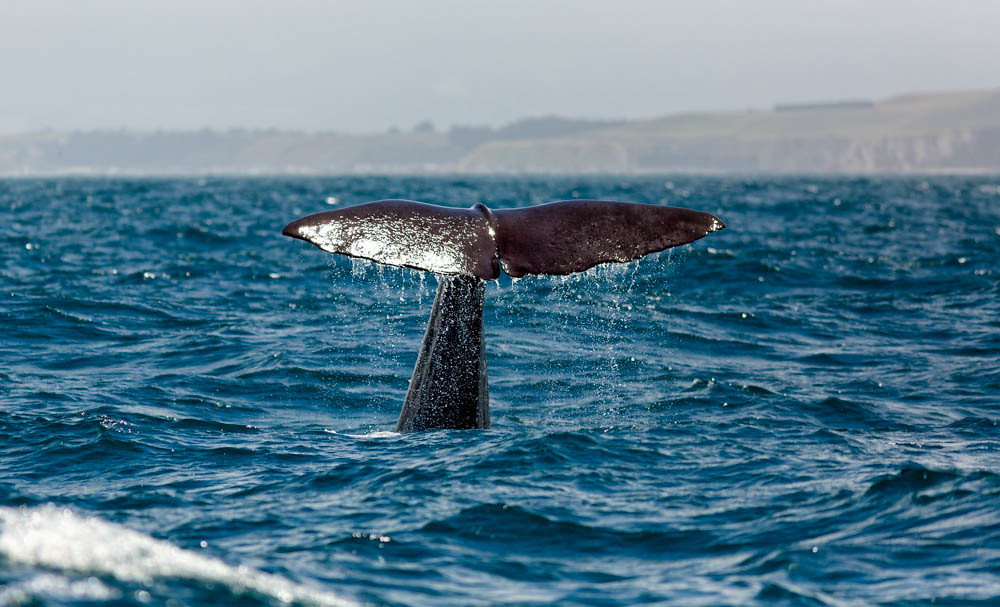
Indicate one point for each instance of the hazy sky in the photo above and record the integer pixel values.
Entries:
(368, 65)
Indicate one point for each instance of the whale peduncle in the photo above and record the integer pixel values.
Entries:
(448, 385)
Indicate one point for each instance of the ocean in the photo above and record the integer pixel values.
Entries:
(802, 409)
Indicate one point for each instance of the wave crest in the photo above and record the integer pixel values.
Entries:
(56, 538)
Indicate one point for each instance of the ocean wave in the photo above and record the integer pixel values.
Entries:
(58, 539)
(802, 406)
(47, 586)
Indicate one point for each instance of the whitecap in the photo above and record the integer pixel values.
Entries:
(47, 585)
(58, 539)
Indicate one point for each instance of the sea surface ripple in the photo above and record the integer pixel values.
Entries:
(803, 409)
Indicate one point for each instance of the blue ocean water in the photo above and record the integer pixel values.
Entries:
(803, 409)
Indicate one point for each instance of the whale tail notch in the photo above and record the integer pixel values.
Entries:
(556, 238)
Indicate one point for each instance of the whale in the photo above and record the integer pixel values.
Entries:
(466, 248)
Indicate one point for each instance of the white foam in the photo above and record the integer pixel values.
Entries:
(58, 539)
(378, 434)
(47, 585)
(372, 434)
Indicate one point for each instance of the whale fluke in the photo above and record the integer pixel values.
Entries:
(405, 233)
(574, 235)
(469, 246)
(556, 238)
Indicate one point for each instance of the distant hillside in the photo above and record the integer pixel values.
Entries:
(933, 132)
(100, 152)
(912, 133)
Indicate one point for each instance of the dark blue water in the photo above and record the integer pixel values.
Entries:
(803, 409)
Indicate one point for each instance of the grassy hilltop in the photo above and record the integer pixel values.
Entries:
(910, 133)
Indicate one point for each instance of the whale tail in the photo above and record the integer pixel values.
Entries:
(556, 238)
(469, 246)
